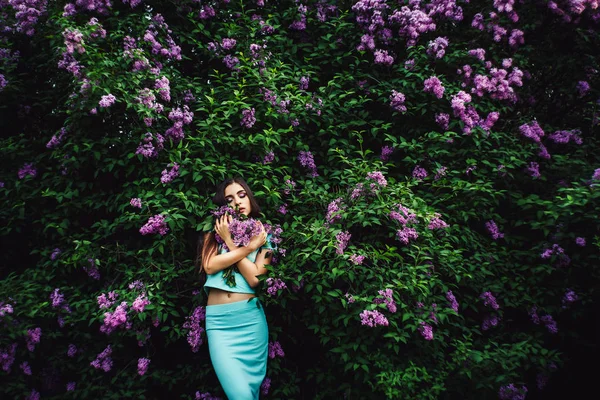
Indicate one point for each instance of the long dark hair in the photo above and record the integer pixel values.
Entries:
(207, 244)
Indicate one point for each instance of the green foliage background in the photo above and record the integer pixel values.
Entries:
(79, 200)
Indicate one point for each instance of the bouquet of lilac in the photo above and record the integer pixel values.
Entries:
(242, 229)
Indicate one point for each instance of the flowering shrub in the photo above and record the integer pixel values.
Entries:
(427, 169)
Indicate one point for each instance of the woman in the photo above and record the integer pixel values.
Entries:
(235, 321)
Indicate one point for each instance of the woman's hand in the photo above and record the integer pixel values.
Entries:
(258, 240)
(222, 227)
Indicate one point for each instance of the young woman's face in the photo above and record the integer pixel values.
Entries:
(235, 195)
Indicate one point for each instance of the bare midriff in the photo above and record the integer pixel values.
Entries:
(218, 296)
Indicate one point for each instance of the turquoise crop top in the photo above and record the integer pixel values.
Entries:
(241, 285)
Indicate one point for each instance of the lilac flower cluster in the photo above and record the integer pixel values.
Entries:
(426, 330)
(350, 298)
(283, 209)
(583, 87)
(143, 365)
(489, 300)
(116, 319)
(107, 302)
(554, 250)
(164, 88)
(72, 350)
(136, 202)
(25, 367)
(172, 51)
(405, 235)
(107, 100)
(7, 357)
(387, 299)
(489, 321)
(434, 85)
(357, 259)
(155, 224)
(70, 386)
(453, 303)
(265, 386)
(274, 285)
(403, 215)
(413, 23)
(27, 169)
(269, 157)
(386, 151)
(443, 120)
(342, 242)
(533, 169)
(55, 253)
(33, 338)
(437, 47)
(511, 392)
(92, 270)
(27, 13)
(56, 139)
(564, 137)
(140, 303)
(419, 173)
(5, 309)
(306, 160)
(397, 101)
(378, 177)
(194, 336)
(304, 81)
(243, 230)
(248, 118)
(550, 323)
(103, 360)
(569, 297)
(437, 223)
(180, 118)
(34, 395)
(147, 149)
(275, 350)
(300, 24)
(207, 396)
(168, 176)
(373, 318)
(493, 230)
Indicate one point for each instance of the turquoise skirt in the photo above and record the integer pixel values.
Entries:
(238, 342)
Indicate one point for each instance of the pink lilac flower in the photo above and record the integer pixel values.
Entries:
(27, 169)
(164, 90)
(304, 81)
(274, 285)
(194, 336)
(342, 242)
(426, 331)
(180, 118)
(489, 300)
(419, 173)
(56, 139)
(33, 338)
(382, 57)
(140, 303)
(596, 175)
(511, 392)
(143, 365)
(155, 224)
(228, 43)
(388, 299)
(378, 177)
(107, 101)
(453, 303)
(116, 319)
(350, 298)
(406, 234)
(168, 176)
(136, 202)
(403, 215)
(290, 185)
(437, 47)
(248, 119)
(373, 318)
(397, 101)
(434, 85)
(26, 368)
(437, 223)
(275, 350)
(357, 259)
(282, 209)
(106, 302)
(443, 120)
(5, 309)
(440, 172)
(478, 53)
(72, 350)
(334, 211)
(493, 230)
(103, 360)
(580, 241)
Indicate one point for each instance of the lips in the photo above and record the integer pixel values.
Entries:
(242, 210)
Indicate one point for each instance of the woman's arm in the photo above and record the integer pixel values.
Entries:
(250, 270)
(219, 262)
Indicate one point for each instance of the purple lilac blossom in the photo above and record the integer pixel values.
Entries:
(274, 285)
(107, 100)
(72, 350)
(103, 360)
(57, 298)
(550, 323)
(140, 303)
(426, 331)
(70, 386)
(511, 392)
(116, 319)
(136, 202)
(25, 367)
(583, 87)
(34, 395)
(283, 209)
(489, 321)
(386, 151)
(33, 338)
(55, 253)
(350, 298)
(378, 177)
(194, 336)
(357, 259)
(334, 210)
(397, 101)
(265, 386)
(493, 230)
(596, 175)
(180, 118)
(443, 120)
(419, 173)
(27, 169)
(306, 160)
(7, 357)
(304, 83)
(168, 176)
(478, 53)
(342, 241)
(243, 230)
(373, 318)
(437, 223)
(143, 365)
(56, 139)
(275, 350)
(489, 300)
(155, 224)
(248, 119)
(580, 241)
(453, 303)
(434, 85)
(406, 234)
(534, 169)
(164, 90)
(569, 297)
(437, 47)
(92, 270)
(440, 172)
